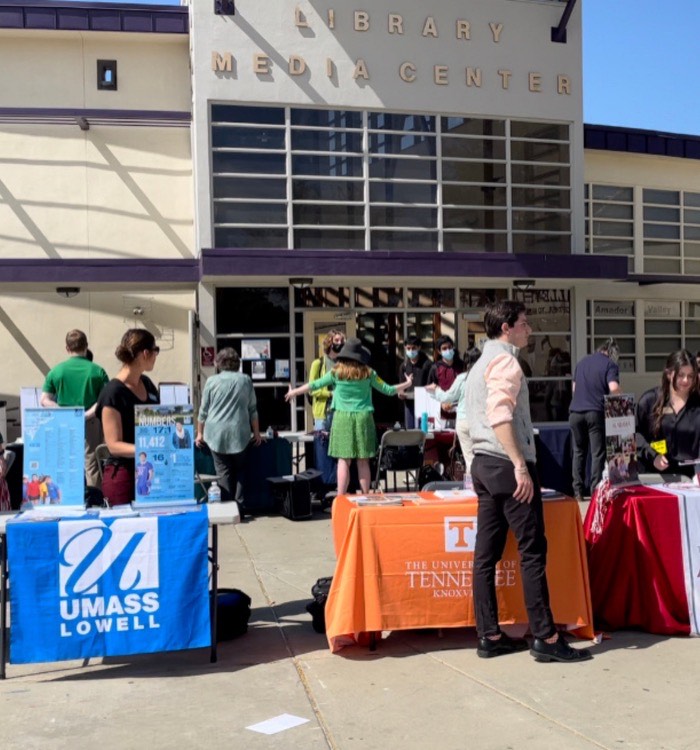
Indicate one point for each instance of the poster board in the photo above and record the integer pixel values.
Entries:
(54, 457)
(620, 440)
(29, 398)
(424, 402)
(164, 455)
(177, 394)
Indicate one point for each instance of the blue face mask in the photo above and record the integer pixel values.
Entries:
(412, 353)
(448, 355)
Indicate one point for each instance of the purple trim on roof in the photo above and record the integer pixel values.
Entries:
(117, 270)
(85, 16)
(354, 263)
(634, 141)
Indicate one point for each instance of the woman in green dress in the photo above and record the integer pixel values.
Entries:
(353, 434)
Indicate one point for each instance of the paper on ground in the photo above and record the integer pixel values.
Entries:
(277, 724)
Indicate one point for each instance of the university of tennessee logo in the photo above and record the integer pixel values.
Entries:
(127, 550)
(460, 533)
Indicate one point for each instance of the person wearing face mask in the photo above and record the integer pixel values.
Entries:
(444, 373)
(418, 364)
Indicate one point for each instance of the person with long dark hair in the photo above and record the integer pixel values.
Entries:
(668, 418)
(115, 409)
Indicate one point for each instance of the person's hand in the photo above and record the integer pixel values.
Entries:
(409, 378)
(431, 387)
(660, 462)
(199, 440)
(524, 489)
(258, 439)
(448, 406)
(401, 394)
(289, 395)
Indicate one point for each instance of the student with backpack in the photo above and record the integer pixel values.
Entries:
(353, 433)
(320, 400)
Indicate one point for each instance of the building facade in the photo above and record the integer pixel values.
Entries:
(260, 178)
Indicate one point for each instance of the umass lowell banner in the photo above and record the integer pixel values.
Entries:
(105, 586)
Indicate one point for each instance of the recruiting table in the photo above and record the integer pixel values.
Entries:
(638, 576)
(218, 514)
(410, 566)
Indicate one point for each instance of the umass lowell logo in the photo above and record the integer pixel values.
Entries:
(108, 576)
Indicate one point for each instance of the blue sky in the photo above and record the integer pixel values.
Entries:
(640, 60)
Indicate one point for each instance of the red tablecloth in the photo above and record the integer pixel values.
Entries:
(636, 563)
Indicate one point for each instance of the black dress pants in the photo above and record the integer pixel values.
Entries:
(587, 429)
(230, 467)
(494, 483)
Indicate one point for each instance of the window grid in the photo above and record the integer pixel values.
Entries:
(401, 171)
(607, 318)
(661, 227)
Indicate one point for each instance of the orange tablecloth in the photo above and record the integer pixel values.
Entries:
(410, 566)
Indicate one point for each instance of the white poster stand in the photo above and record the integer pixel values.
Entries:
(425, 403)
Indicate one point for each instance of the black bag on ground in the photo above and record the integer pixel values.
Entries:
(317, 608)
(428, 474)
(232, 614)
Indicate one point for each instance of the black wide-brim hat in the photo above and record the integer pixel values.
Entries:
(353, 349)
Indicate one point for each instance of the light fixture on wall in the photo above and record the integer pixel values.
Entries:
(522, 285)
(301, 282)
(68, 291)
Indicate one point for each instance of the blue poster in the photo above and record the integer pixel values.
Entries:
(108, 586)
(164, 454)
(54, 457)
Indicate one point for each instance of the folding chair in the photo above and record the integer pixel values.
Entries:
(399, 450)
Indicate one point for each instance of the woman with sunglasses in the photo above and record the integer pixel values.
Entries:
(115, 408)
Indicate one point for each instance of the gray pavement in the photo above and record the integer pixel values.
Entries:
(418, 690)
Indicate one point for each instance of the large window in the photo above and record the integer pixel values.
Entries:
(668, 237)
(304, 178)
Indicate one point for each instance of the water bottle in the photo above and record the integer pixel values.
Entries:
(214, 493)
(424, 421)
(269, 433)
(468, 484)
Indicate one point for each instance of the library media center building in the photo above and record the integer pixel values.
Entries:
(254, 174)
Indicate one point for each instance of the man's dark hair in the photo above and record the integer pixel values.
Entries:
(497, 313)
(76, 341)
(442, 341)
(413, 340)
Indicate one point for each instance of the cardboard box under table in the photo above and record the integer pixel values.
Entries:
(410, 566)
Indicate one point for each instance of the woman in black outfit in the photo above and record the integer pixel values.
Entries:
(669, 417)
(115, 408)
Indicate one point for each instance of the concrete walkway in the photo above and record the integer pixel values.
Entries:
(416, 691)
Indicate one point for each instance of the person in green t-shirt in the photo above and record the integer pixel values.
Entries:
(353, 433)
(77, 381)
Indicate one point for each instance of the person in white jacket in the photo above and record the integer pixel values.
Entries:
(455, 395)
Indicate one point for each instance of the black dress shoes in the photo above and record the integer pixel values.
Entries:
(504, 645)
(558, 651)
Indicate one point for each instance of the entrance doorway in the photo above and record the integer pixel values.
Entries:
(317, 324)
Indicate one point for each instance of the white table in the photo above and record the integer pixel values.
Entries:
(296, 439)
(220, 514)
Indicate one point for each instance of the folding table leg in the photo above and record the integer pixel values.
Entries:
(214, 590)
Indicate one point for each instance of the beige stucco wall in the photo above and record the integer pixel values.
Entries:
(58, 69)
(113, 191)
(123, 192)
(614, 168)
(33, 326)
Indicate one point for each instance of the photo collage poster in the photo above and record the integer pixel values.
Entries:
(54, 457)
(621, 439)
(164, 457)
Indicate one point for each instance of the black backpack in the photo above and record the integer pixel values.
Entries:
(428, 473)
(317, 607)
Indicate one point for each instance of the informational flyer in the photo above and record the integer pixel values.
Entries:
(620, 439)
(164, 457)
(54, 457)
